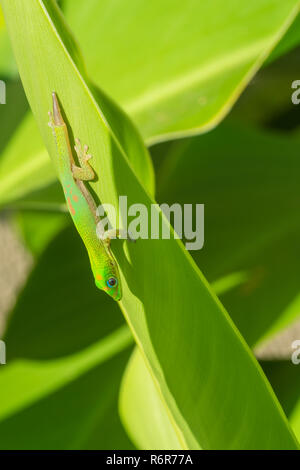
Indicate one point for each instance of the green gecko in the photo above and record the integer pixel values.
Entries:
(82, 206)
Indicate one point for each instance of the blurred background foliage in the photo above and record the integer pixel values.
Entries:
(67, 353)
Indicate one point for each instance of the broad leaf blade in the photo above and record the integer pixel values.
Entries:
(177, 67)
(285, 379)
(290, 40)
(248, 181)
(65, 358)
(177, 322)
(7, 63)
(142, 410)
(24, 165)
(81, 414)
(257, 105)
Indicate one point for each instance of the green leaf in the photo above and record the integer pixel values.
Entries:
(290, 40)
(68, 322)
(33, 380)
(182, 67)
(23, 164)
(248, 181)
(49, 198)
(176, 320)
(177, 68)
(8, 67)
(38, 228)
(10, 119)
(65, 357)
(35, 170)
(285, 380)
(142, 410)
(80, 415)
(257, 105)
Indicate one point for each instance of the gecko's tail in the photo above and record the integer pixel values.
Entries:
(57, 117)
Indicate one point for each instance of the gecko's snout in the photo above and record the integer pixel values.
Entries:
(58, 120)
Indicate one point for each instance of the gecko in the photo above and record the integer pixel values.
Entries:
(82, 206)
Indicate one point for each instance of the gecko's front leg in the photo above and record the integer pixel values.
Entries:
(107, 235)
(84, 172)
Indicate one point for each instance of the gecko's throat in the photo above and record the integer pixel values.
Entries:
(114, 291)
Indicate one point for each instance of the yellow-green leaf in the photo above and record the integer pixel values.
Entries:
(215, 391)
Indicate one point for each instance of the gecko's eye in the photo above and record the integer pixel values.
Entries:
(112, 282)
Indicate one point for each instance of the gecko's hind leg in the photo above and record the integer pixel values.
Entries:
(107, 235)
(118, 233)
(83, 172)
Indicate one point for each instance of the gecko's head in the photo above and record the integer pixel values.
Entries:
(109, 281)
